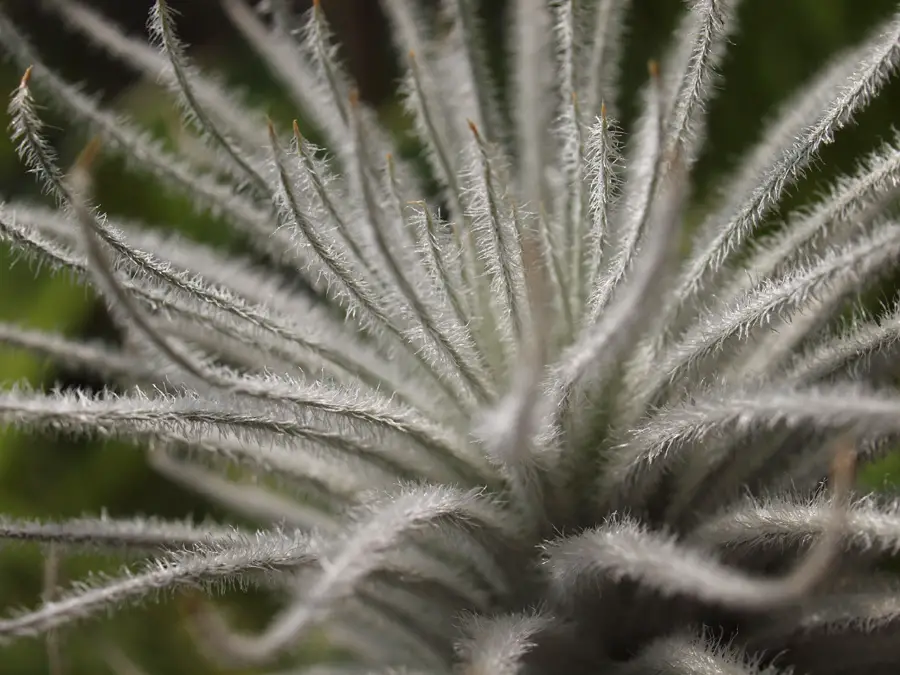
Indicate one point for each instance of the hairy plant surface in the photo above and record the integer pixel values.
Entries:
(505, 425)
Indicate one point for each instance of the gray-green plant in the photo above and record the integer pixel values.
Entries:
(505, 424)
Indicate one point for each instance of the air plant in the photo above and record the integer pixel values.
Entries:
(506, 425)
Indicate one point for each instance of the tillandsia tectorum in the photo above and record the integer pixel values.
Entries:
(509, 426)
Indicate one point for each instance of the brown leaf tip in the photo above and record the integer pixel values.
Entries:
(26, 77)
(270, 128)
(88, 156)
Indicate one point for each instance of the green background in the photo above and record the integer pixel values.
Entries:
(781, 42)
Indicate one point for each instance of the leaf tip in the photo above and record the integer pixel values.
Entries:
(88, 156)
(26, 77)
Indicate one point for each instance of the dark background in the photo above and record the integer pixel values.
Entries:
(781, 42)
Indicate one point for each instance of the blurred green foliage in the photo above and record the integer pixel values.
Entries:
(781, 43)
